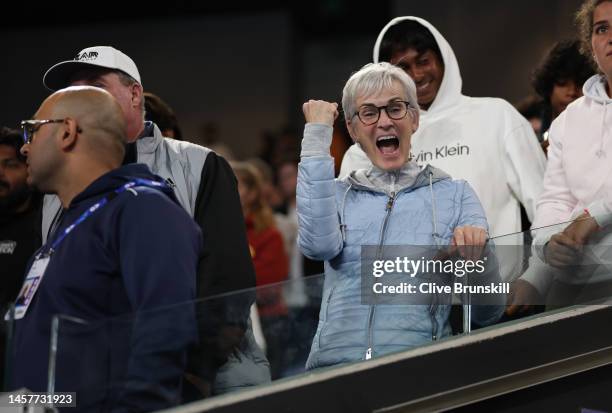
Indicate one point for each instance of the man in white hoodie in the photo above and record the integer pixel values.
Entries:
(482, 140)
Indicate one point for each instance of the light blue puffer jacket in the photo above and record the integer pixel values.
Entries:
(337, 217)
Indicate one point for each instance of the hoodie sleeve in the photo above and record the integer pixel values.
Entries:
(159, 248)
(319, 234)
(557, 202)
(524, 161)
(601, 210)
(539, 275)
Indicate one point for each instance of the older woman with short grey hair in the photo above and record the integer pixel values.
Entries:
(394, 202)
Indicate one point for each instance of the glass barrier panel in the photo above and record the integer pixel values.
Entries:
(189, 351)
(564, 268)
(396, 299)
(6, 333)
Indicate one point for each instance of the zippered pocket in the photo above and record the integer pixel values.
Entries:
(325, 326)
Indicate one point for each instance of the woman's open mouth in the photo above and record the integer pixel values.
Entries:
(388, 145)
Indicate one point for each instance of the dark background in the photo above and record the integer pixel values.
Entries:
(234, 72)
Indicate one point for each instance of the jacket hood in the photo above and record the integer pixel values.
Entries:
(118, 177)
(595, 88)
(449, 93)
(411, 176)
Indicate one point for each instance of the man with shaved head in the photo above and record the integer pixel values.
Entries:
(124, 246)
(57, 166)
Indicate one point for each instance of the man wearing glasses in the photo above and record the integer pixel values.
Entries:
(123, 246)
(206, 188)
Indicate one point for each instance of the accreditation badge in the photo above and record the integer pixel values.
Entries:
(30, 285)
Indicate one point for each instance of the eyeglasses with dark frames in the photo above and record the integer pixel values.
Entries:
(30, 126)
(396, 110)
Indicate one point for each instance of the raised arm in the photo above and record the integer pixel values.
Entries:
(319, 234)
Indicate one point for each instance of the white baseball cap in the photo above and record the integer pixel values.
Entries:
(58, 76)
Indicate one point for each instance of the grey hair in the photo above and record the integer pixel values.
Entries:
(127, 80)
(372, 79)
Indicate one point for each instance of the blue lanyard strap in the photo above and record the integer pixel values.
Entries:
(100, 204)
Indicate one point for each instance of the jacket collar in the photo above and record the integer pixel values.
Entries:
(150, 139)
(410, 176)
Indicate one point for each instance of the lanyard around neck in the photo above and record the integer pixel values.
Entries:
(99, 205)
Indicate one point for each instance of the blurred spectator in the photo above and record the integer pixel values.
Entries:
(265, 242)
(160, 113)
(279, 146)
(531, 108)
(287, 183)
(302, 294)
(287, 173)
(209, 134)
(19, 224)
(19, 216)
(296, 295)
(270, 260)
(209, 137)
(558, 81)
(270, 192)
(267, 143)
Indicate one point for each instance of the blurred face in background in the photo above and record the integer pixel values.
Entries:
(247, 195)
(287, 180)
(564, 92)
(14, 190)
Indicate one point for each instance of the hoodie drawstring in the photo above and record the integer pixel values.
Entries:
(600, 152)
(434, 218)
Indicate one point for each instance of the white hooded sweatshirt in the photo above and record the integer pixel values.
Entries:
(579, 171)
(482, 140)
(578, 177)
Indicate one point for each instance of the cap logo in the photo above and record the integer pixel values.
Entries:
(87, 56)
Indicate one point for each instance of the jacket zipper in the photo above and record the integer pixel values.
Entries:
(368, 354)
(434, 322)
(388, 208)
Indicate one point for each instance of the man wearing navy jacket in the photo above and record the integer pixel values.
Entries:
(124, 245)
